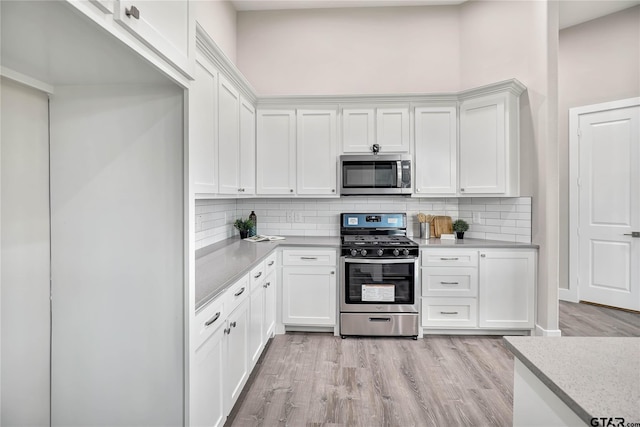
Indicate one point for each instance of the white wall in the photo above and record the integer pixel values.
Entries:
(350, 51)
(24, 291)
(218, 18)
(599, 61)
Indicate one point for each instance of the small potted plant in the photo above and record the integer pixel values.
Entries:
(460, 226)
(243, 226)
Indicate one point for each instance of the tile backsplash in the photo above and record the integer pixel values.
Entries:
(506, 219)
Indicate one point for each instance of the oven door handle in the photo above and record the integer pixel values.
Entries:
(380, 260)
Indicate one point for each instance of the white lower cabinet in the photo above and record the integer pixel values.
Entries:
(309, 287)
(507, 288)
(207, 392)
(236, 368)
(270, 305)
(478, 289)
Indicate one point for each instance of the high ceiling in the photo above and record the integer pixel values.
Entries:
(572, 12)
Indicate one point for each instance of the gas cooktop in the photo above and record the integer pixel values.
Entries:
(376, 236)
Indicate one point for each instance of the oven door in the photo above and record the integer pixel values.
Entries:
(378, 285)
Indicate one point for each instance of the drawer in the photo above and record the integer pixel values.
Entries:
(449, 258)
(257, 275)
(449, 312)
(308, 257)
(237, 293)
(271, 263)
(450, 282)
(208, 320)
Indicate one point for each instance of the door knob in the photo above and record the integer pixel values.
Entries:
(633, 234)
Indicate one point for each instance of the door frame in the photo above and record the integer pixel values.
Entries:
(573, 292)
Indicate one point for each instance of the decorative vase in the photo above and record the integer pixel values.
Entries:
(460, 234)
(244, 234)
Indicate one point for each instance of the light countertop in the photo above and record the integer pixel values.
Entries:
(594, 376)
(471, 243)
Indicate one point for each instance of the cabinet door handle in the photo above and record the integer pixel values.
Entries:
(213, 319)
(291, 190)
(266, 285)
(132, 12)
(449, 259)
(227, 331)
(448, 312)
(257, 275)
(449, 283)
(237, 294)
(233, 324)
(309, 258)
(482, 255)
(271, 263)
(333, 272)
(462, 189)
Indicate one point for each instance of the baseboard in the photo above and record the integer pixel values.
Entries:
(567, 295)
(541, 332)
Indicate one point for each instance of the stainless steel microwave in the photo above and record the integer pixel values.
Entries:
(375, 174)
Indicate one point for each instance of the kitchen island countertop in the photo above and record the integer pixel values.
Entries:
(594, 376)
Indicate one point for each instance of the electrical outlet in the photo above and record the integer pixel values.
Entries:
(297, 216)
(477, 218)
(289, 216)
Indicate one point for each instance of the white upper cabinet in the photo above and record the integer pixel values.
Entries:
(317, 146)
(392, 126)
(166, 27)
(388, 127)
(203, 135)
(228, 137)
(247, 148)
(436, 151)
(276, 161)
(489, 153)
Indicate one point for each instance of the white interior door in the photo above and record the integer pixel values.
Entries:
(608, 203)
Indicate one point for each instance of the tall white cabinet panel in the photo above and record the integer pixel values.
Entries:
(317, 152)
(358, 130)
(276, 161)
(203, 135)
(167, 27)
(507, 289)
(228, 137)
(436, 151)
(392, 130)
(489, 146)
(247, 148)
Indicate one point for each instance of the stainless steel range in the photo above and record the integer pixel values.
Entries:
(378, 287)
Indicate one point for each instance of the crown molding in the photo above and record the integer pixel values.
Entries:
(512, 85)
(209, 48)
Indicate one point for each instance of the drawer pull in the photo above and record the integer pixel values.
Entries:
(213, 319)
(449, 259)
(271, 263)
(448, 312)
(379, 319)
(237, 294)
(309, 258)
(449, 283)
(257, 275)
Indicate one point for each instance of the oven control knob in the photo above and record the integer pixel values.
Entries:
(380, 252)
(363, 252)
(405, 252)
(354, 252)
(396, 252)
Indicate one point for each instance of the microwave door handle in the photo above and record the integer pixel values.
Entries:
(399, 171)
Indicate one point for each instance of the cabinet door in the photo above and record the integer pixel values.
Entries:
(203, 137)
(358, 130)
(207, 392)
(236, 354)
(256, 323)
(317, 152)
(483, 153)
(507, 289)
(228, 137)
(392, 130)
(270, 305)
(309, 296)
(166, 27)
(436, 151)
(247, 148)
(276, 162)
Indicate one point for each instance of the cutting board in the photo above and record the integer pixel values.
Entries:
(441, 225)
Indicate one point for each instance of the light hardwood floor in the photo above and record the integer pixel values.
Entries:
(318, 379)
